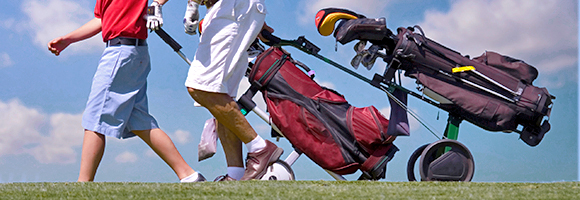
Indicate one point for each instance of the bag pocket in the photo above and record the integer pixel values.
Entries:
(368, 127)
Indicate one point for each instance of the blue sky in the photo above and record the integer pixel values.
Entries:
(42, 96)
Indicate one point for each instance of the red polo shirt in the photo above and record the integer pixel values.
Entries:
(123, 18)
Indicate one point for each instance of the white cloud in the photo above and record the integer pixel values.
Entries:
(19, 127)
(126, 157)
(181, 137)
(543, 33)
(327, 84)
(309, 8)
(5, 60)
(8, 23)
(24, 130)
(49, 19)
(65, 136)
(386, 111)
(150, 153)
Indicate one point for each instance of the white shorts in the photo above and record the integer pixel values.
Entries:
(221, 60)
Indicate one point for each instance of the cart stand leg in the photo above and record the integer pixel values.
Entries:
(452, 129)
(292, 158)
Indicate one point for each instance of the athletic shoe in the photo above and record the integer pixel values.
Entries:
(257, 162)
(189, 179)
(224, 178)
(200, 178)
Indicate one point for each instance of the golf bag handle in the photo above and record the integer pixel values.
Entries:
(272, 40)
(168, 39)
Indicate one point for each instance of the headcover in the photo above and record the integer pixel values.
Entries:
(326, 19)
(199, 26)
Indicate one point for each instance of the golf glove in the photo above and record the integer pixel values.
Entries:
(191, 18)
(154, 16)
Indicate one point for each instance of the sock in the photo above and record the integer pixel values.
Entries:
(190, 178)
(256, 144)
(236, 172)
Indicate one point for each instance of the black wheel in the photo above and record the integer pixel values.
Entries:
(412, 161)
(446, 160)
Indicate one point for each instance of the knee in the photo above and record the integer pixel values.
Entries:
(193, 93)
(190, 90)
(199, 96)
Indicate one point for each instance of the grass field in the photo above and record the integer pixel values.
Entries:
(291, 190)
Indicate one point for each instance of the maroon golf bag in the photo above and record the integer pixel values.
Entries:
(319, 122)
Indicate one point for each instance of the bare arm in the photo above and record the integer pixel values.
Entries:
(88, 30)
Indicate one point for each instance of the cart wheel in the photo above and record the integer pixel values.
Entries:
(412, 161)
(456, 164)
(280, 171)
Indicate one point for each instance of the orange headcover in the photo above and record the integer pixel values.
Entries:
(326, 19)
(199, 26)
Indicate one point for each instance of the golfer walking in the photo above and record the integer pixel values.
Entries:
(117, 104)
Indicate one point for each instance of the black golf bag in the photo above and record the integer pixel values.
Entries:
(492, 91)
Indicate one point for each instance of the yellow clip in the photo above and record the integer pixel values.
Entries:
(462, 69)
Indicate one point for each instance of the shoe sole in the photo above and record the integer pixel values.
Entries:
(273, 158)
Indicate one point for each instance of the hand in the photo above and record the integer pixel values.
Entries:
(154, 16)
(191, 18)
(57, 45)
(269, 29)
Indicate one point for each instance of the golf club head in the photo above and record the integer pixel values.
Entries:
(359, 58)
(360, 46)
(368, 60)
(355, 62)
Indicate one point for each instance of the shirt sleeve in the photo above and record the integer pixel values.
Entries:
(98, 8)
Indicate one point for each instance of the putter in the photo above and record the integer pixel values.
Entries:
(172, 43)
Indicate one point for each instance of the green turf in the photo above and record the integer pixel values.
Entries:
(291, 190)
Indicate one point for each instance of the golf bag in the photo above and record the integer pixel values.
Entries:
(493, 91)
(318, 121)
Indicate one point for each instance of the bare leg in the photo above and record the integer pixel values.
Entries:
(226, 111)
(164, 147)
(232, 146)
(92, 153)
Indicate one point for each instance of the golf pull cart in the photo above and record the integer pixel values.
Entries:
(445, 159)
(492, 91)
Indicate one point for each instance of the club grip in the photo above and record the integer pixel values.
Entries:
(168, 39)
(272, 40)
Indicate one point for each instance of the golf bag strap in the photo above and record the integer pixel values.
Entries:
(375, 157)
(309, 71)
(425, 44)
